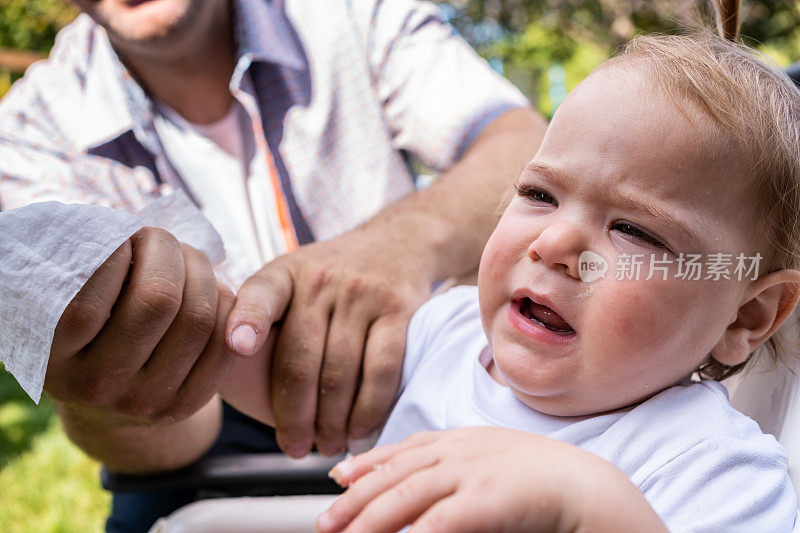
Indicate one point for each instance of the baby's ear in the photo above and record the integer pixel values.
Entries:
(766, 304)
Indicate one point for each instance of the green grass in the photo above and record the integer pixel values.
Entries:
(46, 483)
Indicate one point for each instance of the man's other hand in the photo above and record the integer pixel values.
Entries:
(143, 340)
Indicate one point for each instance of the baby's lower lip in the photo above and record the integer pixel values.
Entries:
(534, 329)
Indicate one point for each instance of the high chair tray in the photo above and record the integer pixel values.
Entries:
(253, 474)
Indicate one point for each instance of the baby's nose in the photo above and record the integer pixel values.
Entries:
(559, 246)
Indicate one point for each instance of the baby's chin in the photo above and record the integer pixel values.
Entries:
(572, 403)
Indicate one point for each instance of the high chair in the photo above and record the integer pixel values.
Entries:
(770, 394)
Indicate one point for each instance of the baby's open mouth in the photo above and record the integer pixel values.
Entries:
(544, 316)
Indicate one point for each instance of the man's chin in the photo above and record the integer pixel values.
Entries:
(143, 22)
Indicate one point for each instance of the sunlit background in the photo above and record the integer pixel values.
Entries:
(545, 47)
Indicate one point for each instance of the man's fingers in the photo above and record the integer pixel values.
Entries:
(210, 369)
(339, 378)
(296, 363)
(189, 332)
(261, 300)
(144, 311)
(381, 372)
(85, 315)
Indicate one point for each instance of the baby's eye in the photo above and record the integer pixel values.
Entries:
(533, 193)
(633, 231)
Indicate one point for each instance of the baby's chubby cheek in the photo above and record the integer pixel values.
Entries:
(493, 275)
(634, 316)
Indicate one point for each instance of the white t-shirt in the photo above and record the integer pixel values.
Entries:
(223, 168)
(701, 464)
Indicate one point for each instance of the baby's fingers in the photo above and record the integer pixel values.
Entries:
(404, 503)
(389, 478)
(453, 515)
(349, 470)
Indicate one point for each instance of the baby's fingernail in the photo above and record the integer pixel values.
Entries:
(341, 471)
(334, 474)
(324, 522)
(243, 339)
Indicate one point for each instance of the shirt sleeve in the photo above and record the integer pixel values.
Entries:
(39, 162)
(731, 485)
(437, 93)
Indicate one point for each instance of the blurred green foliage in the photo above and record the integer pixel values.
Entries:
(32, 24)
(5, 81)
(46, 483)
(21, 420)
(525, 38)
(529, 37)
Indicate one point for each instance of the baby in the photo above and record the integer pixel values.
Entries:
(653, 237)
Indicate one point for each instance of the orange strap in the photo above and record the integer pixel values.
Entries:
(281, 205)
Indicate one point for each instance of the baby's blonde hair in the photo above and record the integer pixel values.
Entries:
(756, 109)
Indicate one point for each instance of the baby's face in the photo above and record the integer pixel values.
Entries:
(620, 172)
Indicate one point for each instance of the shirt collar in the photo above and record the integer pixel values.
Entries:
(265, 34)
(115, 103)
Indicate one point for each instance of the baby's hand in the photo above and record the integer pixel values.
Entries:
(484, 479)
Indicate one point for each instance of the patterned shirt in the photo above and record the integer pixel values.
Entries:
(346, 89)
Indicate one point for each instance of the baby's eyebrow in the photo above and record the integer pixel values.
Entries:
(627, 199)
(551, 172)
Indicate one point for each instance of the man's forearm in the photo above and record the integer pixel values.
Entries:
(450, 221)
(141, 449)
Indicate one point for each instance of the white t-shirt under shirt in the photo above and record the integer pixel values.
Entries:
(221, 165)
(701, 464)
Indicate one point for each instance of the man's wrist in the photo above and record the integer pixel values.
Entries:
(412, 244)
(141, 447)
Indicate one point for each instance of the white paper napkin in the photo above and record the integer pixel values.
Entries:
(49, 250)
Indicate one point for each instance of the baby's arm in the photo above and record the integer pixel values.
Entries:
(485, 479)
(247, 387)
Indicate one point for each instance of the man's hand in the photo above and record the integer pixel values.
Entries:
(143, 341)
(484, 479)
(339, 351)
(344, 307)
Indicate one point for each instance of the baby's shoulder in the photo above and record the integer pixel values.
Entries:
(690, 419)
(704, 465)
(696, 411)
